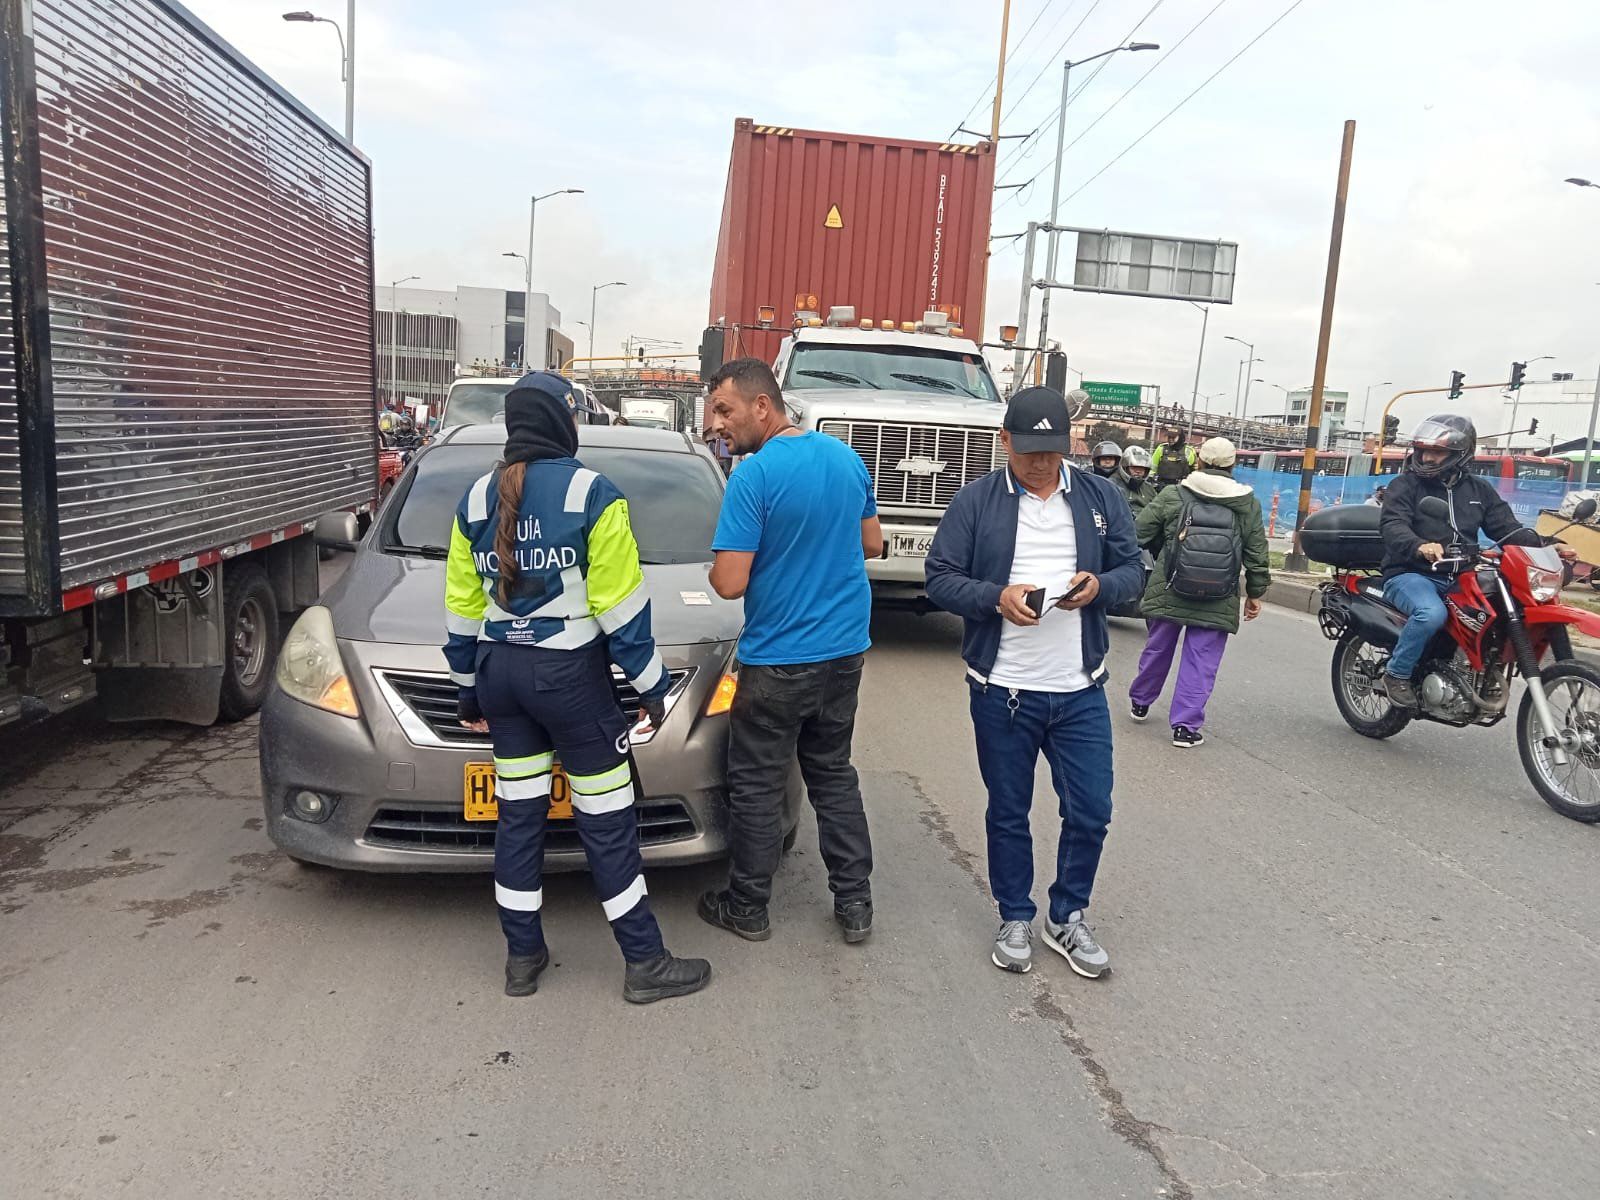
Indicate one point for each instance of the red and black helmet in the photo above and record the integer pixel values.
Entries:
(1450, 432)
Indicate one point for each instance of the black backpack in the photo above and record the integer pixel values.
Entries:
(1207, 553)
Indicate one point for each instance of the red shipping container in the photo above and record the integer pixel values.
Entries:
(894, 228)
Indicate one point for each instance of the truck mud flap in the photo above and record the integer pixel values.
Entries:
(187, 694)
(159, 650)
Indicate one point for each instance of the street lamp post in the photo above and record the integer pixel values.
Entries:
(527, 278)
(1194, 395)
(594, 293)
(347, 59)
(1364, 406)
(1594, 409)
(394, 336)
(1250, 346)
(1055, 186)
(527, 294)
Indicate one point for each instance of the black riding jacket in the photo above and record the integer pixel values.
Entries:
(1474, 503)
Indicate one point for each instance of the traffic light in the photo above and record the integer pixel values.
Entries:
(1456, 380)
(1391, 430)
(1533, 426)
(1516, 375)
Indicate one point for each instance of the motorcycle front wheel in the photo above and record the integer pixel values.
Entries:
(1571, 788)
(1357, 667)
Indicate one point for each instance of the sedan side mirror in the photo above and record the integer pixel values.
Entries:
(338, 531)
(1432, 506)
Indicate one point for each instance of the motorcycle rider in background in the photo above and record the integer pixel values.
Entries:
(1134, 475)
(1106, 459)
(1441, 450)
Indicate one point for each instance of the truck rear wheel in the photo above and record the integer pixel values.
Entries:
(250, 646)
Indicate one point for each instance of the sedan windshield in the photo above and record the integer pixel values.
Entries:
(673, 499)
(476, 403)
(900, 368)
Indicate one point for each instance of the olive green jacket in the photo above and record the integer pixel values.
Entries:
(1157, 527)
(1139, 496)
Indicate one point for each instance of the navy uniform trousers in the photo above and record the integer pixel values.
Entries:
(548, 705)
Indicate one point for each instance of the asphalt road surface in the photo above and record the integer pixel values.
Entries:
(1341, 969)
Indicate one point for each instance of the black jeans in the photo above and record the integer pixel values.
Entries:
(779, 712)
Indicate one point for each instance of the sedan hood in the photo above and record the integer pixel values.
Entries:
(397, 598)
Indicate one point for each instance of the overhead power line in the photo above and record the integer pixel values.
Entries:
(1240, 54)
(1053, 60)
(988, 92)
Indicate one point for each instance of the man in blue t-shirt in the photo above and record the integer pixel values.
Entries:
(798, 524)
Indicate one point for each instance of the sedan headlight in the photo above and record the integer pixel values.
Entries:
(310, 668)
(1545, 585)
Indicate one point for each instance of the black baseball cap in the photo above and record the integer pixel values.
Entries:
(1039, 421)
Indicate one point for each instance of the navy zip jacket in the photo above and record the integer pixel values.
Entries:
(969, 564)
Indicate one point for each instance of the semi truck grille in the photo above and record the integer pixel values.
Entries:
(919, 466)
(446, 829)
(433, 699)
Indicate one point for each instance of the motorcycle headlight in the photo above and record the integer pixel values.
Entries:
(310, 669)
(1545, 585)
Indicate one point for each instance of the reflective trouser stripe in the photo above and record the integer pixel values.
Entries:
(462, 626)
(623, 902)
(518, 901)
(604, 802)
(523, 789)
(463, 679)
(604, 781)
(523, 768)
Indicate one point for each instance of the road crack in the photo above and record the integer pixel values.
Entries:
(1135, 1131)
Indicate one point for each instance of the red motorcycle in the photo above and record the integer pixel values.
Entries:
(1505, 618)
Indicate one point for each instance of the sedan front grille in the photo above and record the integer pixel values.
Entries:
(433, 699)
(919, 466)
(446, 829)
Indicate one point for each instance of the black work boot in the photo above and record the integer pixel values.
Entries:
(855, 918)
(720, 909)
(1401, 692)
(658, 978)
(523, 971)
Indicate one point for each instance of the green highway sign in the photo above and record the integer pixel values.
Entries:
(1113, 395)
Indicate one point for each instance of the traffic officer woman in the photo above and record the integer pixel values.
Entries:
(544, 591)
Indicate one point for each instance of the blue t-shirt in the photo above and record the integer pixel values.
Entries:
(798, 504)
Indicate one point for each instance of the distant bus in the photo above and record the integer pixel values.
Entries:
(1533, 468)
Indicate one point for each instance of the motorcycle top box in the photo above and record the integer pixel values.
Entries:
(1344, 536)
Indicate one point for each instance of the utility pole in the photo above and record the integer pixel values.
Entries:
(1053, 240)
(999, 76)
(1194, 396)
(1588, 451)
(350, 73)
(1296, 559)
(1022, 305)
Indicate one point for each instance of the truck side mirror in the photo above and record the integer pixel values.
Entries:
(712, 348)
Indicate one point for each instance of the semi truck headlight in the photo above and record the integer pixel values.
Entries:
(310, 668)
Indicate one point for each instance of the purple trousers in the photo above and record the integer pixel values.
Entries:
(1197, 672)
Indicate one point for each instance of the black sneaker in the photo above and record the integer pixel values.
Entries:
(855, 919)
(658, 978)
(721, 910)
(1139, 712)
(1186, 739)
(523, 971)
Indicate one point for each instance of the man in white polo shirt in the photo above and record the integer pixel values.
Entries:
(1031, 557)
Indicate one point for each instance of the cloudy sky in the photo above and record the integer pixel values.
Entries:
(1463, 247)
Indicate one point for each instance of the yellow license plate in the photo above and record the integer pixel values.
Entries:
(478, 802)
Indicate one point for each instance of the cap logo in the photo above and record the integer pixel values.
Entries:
(1044, 423)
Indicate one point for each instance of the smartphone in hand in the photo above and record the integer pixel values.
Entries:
(1035, 602)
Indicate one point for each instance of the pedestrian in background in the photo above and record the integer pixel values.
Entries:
(1031, 557)
(530, 649)
(1202, 532)
(798, 523)
(1173, 459)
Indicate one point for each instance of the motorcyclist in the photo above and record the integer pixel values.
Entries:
(1413, 542)
(1134, 475)
(1173, 459)
(1106, 459)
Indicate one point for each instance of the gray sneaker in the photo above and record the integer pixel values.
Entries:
(1013, 947)
(1076, 944)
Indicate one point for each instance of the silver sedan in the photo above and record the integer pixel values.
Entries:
(363, 764)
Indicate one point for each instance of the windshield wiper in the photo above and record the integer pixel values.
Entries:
(930, 381)
(434, 552)
(840, 377)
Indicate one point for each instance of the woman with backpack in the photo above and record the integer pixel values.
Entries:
(1203, 532)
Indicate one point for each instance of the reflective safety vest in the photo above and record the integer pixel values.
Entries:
(578, 580)
(1171, 468)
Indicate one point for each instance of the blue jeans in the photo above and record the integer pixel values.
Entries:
(1073, 730)
(1419, 597)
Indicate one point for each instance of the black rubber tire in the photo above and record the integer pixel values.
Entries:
(1386, 726)
(246, 589)
(1556, 799)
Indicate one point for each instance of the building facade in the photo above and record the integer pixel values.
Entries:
(426, 337)
(1297, 412)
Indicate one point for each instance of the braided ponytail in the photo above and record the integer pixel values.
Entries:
(509, 491)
